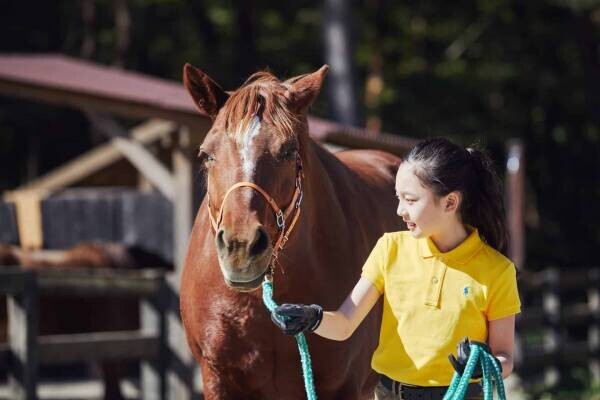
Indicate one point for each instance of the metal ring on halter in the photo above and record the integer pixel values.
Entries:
(280, 220)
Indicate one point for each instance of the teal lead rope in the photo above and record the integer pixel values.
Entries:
(309, 385)
(457, 389)
(491, 374)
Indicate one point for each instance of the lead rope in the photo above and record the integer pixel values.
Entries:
(491, 374)
(309, 385)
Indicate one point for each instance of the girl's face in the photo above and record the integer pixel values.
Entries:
(418, 206)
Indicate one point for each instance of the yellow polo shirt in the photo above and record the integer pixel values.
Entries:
(432, 300)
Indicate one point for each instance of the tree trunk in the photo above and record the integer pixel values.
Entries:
(338, 54)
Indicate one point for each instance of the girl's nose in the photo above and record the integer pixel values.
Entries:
(400, 211)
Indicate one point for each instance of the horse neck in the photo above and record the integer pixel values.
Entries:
(320, 208)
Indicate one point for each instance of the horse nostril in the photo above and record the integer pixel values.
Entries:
(260, 243)
(220, 239)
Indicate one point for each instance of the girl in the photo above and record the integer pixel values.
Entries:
(443, 280)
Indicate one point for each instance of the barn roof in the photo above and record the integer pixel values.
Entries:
(62, 80)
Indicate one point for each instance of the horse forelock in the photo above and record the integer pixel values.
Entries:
(263, 96)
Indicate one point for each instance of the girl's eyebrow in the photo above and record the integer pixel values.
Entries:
(408, 193)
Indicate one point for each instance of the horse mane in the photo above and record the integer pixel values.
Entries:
(262, 95)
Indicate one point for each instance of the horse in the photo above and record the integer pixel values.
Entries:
(64, 314)
(278, 205)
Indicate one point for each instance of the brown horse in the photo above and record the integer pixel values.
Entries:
(345, 203)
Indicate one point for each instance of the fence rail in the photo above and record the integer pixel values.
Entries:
(559, 326)
(25, 351)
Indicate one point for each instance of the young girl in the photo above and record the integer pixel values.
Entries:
(443, 280)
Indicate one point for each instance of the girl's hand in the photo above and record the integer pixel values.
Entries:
(463, 351)
(295, 318)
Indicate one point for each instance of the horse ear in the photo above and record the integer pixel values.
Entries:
(208, 96)
(304, 89)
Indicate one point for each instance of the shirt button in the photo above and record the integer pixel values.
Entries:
(434, 280)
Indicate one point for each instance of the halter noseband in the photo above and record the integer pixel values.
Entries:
(281, 216)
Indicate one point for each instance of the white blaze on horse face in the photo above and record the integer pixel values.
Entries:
(248, 164)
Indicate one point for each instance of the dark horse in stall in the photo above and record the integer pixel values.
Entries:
(345, 202)
(65, 314)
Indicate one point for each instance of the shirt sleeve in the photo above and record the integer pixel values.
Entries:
(504, 295)
(374, 267)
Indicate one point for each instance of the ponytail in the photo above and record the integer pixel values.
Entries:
(446, 167)
(484, 207)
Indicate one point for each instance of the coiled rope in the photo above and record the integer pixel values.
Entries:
(492, 374)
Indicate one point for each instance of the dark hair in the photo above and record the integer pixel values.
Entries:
(445, 167)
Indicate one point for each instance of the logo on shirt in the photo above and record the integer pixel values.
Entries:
(466, 291)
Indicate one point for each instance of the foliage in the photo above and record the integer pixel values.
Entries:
(484, 70)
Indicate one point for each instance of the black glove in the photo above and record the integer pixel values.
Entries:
(463, 351)
(295, 318)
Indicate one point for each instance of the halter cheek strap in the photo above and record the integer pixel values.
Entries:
(281, 216)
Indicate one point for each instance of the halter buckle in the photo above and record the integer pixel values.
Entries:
(280, 220)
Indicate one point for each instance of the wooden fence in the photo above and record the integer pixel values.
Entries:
(559, 327)
(25, 351)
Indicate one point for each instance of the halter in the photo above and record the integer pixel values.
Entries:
(281, 216)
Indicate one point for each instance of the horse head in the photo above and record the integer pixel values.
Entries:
(252, 160)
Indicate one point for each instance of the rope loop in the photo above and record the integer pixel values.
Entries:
(492, 376)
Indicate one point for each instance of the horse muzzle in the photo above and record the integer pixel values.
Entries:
(244, 263)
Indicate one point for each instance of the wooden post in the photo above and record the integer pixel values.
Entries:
(22, 337)
(594, 327)
(514, 193)
(153, 322)
(180, 377)
(551, 307)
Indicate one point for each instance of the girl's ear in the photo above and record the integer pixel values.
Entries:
(452, 201)
(208, 96)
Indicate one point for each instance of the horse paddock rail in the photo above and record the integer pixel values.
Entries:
(559, 328)
(25, 351)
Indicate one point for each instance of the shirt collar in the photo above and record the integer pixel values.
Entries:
(461, 253)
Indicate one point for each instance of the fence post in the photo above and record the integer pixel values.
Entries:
(153, 322)
(515, 193)
(594, 327)
(551, 307)
(181, 383)
(22, 338)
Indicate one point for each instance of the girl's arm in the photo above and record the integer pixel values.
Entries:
(340, 324)
(501, 339)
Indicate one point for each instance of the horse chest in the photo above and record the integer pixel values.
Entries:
(231, 335)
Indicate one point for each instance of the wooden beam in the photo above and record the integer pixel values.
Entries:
(94, 282)
(85, 281)
(515, 200)
(12, 280)
(181, 387)
(123, 107)
(96, 159)
(99, 346)
(147, 165)
(4, 356)
(23, 314)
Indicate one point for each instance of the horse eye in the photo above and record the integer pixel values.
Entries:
(205, 157)
(288, 154)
